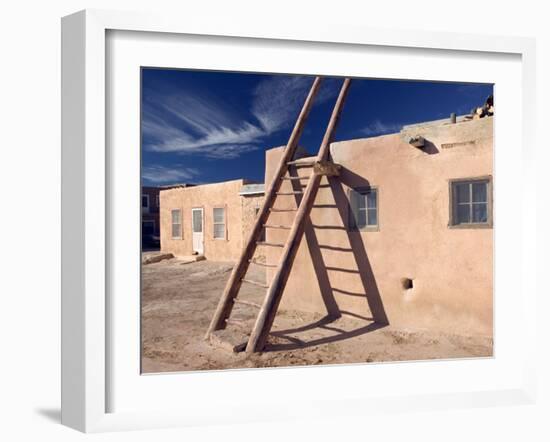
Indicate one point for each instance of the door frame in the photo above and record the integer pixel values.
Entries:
(201, 208)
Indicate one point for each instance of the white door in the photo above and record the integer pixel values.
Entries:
(198, 231)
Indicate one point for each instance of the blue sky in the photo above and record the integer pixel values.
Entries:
(202, 127)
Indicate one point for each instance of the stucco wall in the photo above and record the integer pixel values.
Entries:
(361, 272)
(249, 205)
(207, 196)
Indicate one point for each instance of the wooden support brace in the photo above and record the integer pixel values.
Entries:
(326, 168)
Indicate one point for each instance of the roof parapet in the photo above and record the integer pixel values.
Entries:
(252, 189)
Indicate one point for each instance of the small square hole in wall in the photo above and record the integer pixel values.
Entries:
(407, 283)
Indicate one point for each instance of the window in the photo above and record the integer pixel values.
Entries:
(364, 209)
(176, 224)
(196, 219)
(219, 222)
(145, 203)
(471, 203)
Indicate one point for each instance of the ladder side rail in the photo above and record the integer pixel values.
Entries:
(225, 305)
(271, 302)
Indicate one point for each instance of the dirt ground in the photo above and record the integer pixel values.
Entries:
(178, 301)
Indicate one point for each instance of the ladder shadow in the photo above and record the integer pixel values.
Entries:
(323, 323)
(357, 248)
(333, 311)
(357, 245)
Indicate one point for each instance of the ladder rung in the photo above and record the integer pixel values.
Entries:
(236, 322)
(260, 284)
(242, 301)
(267, 226)
(272, 244)
(299, 163)
(292, 178)
(283, 210)
(251, 261)
(297, 192)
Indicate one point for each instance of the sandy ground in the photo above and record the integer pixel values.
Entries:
(179, 298)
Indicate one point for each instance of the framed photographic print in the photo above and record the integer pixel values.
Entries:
(256, 214)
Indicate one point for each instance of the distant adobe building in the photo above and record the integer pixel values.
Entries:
(404, 235)
(211, 219)
(150, 210)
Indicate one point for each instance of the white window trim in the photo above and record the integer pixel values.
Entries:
(215, 223)
(172, 224)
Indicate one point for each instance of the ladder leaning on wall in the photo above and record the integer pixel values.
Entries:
(320, 166)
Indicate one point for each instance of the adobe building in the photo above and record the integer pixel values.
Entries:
(150, 224)
(211, 219)
(150, 213)
(404, 235)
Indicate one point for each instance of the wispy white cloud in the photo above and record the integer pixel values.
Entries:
(156, 174)
(199, 124)
(377, 127)
(278, 99)
(191, 124)
(228, 151)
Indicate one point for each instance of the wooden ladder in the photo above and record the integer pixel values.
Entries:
(320, 166)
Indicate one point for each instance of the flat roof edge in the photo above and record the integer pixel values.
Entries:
(459, 118)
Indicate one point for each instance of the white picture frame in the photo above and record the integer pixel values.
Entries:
(86, 204)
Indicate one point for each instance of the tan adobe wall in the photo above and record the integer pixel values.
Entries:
(361, 272)
(206, 196)
(250, 205)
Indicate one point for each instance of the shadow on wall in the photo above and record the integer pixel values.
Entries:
(316, 256)
(357, 248)
(356, 243)
(430, 148)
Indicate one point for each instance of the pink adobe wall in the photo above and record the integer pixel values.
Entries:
(361, 272)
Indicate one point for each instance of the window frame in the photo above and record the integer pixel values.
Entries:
(172, 224)
(214, 223)
(452, 210)
(352, 227)
(147, 208)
